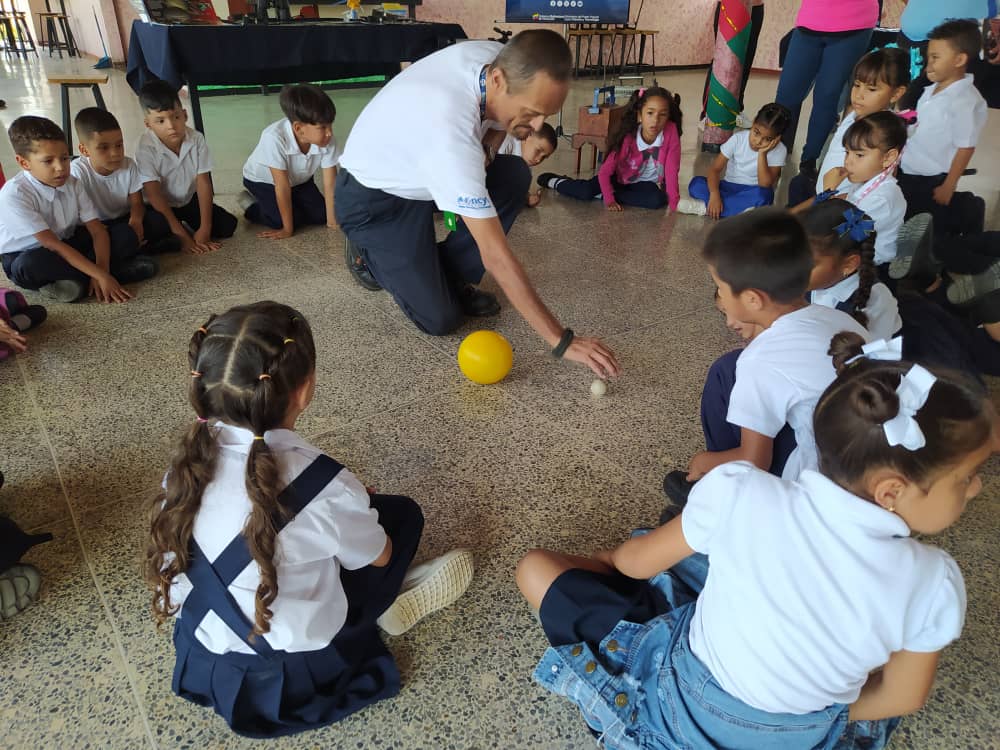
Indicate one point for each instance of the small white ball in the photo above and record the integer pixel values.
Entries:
(598, 388)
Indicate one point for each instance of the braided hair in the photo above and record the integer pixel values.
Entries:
(822, 222)
(635, 104)
(246, 364)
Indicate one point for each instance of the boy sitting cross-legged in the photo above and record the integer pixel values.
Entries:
(113, 182)
(176, 169)
(51, 238)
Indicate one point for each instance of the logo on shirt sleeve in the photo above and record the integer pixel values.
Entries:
(472, 201)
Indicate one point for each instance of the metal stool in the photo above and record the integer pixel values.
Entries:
(51, 19)
(16, 32)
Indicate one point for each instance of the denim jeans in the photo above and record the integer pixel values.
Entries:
(643, 688)
(822, 62)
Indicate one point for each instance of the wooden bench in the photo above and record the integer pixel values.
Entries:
(66, 82)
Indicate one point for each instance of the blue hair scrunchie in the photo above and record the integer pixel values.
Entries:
(856, 225)
(825, 196)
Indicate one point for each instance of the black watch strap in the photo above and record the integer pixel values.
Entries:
(563, 345)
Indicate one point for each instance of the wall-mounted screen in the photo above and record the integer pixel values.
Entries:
(567, 11)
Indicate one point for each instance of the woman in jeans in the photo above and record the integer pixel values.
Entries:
(828, 39)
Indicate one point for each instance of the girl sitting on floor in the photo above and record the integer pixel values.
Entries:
(835, 629)
(643, 158)
(275, 560)
(745, 173)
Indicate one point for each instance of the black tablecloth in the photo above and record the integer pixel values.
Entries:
(277, 53)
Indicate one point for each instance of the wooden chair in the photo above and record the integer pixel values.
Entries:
(77, 81)
(52, 22)
(16, 32)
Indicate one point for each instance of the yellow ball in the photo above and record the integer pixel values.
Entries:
(485, 357)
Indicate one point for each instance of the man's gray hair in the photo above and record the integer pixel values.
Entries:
(532, 52)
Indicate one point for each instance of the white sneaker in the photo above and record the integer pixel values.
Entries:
(744, 122)
(244, 200)
(427, 588)
(691, 206)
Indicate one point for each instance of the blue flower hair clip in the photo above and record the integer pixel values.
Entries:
(856, 225)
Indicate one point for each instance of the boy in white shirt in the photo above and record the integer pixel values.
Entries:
(951, 115)
(534, 149)
(279, 173)
(761, 262)
(51, 238)
(176, 169)
(113, 183)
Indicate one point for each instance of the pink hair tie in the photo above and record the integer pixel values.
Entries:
(642, 92)
(201, 420)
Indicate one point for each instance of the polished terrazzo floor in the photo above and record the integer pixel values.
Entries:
(89, 413)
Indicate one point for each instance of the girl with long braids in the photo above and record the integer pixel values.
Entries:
(275, 560)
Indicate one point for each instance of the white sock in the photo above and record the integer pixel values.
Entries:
(20, 321)
(555, 181)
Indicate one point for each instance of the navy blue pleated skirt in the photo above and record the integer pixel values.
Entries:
(288, 692)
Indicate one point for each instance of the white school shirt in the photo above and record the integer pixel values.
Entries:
(836, 152)
(339, 528)
(810, 588)
(108, 192)
(781, 375)
(882, 309)
(946, 121)
(28, 206)
(176, 173)
(885, 205)
(278, 148)
(511, 146)
(742, 166)
(438, 156)
(650, 171)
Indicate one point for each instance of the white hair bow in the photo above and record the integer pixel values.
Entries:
(887, 351)
(914, 387)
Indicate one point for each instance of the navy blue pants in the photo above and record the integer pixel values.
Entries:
(735, 198)
(965, 214)
(638, 194)
(720, 435)
(154, 229)
(800, 189)
(308, 205)
(223, 222)
(39, 266)
(395, 236)
(821, 61)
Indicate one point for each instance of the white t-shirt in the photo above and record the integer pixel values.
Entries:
(810, 588)
(885, 204)
(438, 156)
(109, 192)
(338, 528)
(781, 375)
(836, 152)
(278, 148)
(650, 171)
(28, 206)
(946, 121)
(742, 166)
(176, 173)
(882, 309)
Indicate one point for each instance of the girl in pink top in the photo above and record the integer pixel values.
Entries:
(643, 159)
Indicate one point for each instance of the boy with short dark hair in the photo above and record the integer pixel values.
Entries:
(113, 182)
(51, 238)
(761, 262)
(176, 169)
(279, 175)
(951, 115)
